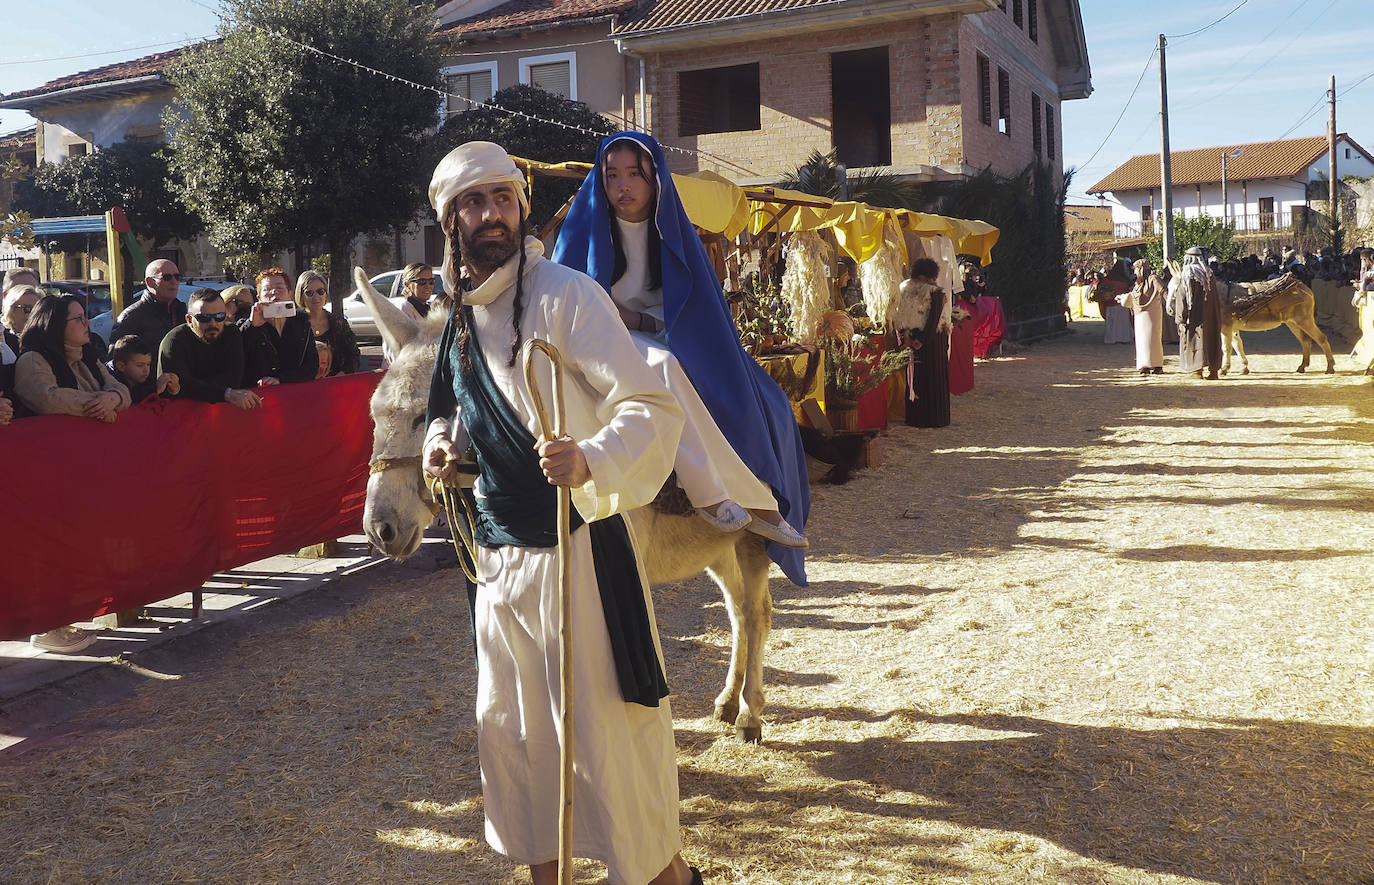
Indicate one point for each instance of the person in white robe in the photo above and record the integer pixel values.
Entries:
(623, 427)
(1146, 303)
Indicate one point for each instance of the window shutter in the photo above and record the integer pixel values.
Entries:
(1037, 139)
(555, 78)
(472, 85)
(984, 90)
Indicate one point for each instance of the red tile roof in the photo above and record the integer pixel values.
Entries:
(124, 70)
(1265, 159)
(524, 13)
(657, 14)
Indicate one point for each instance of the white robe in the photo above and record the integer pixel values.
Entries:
(625, 808)
(708, 468)
(1149, 322)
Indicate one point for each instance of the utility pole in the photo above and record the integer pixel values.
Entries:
(1331, 164)
(1166, 184)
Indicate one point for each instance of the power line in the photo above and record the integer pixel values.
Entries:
(471, 103)
(1138, 81)
(1246, 78)
(39, 61)
(1212, 25)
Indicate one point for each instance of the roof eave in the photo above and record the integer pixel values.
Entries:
(517, 30)
(85, 92)
(782, 22)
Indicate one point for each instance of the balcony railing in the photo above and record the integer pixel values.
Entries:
(1298, 219)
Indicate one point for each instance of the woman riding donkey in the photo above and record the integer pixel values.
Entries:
(740, 460)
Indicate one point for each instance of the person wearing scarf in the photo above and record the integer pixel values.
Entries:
(1195, 307)
(659, 276)
(622, 430)
(1146, 302)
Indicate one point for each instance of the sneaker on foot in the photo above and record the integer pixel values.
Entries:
(63, 641)
(729, 516)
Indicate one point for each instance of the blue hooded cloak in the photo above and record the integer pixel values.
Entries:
(751, 410)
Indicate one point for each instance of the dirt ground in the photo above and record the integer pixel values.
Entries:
(1102, 629)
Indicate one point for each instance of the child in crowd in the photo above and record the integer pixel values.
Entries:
(1365, 283)
(131, 364)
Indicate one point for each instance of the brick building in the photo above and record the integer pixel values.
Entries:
(928, 89)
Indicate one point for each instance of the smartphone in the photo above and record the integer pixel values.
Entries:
(274, 309)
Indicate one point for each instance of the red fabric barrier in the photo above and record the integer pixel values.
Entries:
(105, 517)
(961, 353)
(989, 324)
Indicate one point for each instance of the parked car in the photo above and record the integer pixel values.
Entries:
(360, 315)
(94, 294)
(103, 323)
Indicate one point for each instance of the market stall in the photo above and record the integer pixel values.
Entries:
(788, 260)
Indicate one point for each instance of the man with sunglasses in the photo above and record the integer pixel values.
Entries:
(157, 311)
(206, 353)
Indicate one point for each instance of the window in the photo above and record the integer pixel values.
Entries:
(1003, 102)
(1347, 153)
(984, 90)
(1037, 137)
(555, 73)
(1266, 213)
(1016, 12)
(860, 108)
(1033, 20)
(468, 86)
(1049, 130)
(1146, 217)
(78, 149)
(718, 100)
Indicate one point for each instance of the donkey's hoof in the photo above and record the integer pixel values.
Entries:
(1302, 369)
(1330, 370)
(1245, 371)
(749, 734)
(728, 712)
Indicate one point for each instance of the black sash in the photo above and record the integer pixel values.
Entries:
(518, 508)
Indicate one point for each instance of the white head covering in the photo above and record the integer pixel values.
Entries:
(469, 165)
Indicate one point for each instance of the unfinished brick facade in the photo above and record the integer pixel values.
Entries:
(934, 101)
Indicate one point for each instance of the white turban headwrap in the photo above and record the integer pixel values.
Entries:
(466, 166)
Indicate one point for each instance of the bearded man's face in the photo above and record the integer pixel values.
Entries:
(488, 225)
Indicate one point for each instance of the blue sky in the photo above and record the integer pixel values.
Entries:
(1251, 77)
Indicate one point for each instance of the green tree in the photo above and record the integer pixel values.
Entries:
(532, 139)
(278, 145)
(819, 175)
(1205, 231)
(132, 175)
(1028, 209)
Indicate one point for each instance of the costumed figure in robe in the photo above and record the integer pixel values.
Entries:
(740, 461)
(1195, 306)
(622, 431)
(1146, 302)
(928, 338)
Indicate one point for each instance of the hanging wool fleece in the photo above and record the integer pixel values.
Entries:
(805, 284)
(881, 276)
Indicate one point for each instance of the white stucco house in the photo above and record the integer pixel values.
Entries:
(1268, 184)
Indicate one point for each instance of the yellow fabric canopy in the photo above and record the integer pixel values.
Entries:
(718, 205)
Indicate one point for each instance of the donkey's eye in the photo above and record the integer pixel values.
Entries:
(418, 422)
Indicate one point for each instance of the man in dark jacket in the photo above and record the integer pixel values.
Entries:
(157, 311)
(206, 354)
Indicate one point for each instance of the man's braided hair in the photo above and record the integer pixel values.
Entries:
(455, 263)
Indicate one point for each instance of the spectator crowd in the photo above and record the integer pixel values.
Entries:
(216, 347)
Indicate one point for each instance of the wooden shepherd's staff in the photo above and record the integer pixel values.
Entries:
(552, 430)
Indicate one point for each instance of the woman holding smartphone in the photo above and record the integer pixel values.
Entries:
(278, 346)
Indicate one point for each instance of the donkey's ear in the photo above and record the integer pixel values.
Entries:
(397, 329)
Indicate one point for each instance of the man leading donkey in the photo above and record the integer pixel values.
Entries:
(623, 429)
